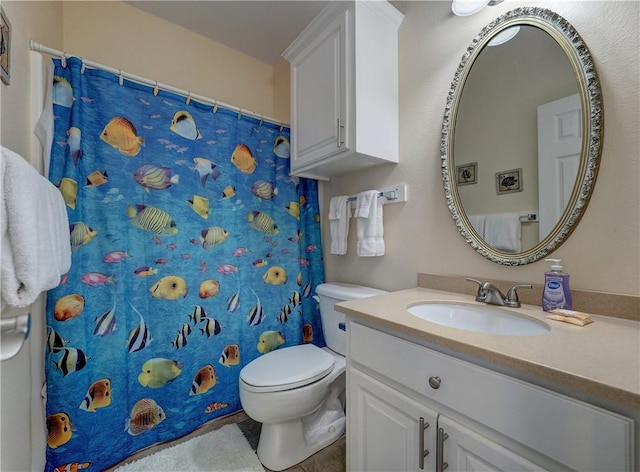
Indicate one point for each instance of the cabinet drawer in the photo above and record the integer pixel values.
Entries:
(574, 433)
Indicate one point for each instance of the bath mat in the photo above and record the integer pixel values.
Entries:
(223, 450)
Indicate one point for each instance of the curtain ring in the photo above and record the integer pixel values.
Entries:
(82, 69)
(261, 120)
(63, 60)
(281, 126)
(215, 106)
(120, 77)
(155, 90)
(188, 98)
(240, 114)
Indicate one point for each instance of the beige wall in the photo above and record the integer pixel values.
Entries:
(603, 253)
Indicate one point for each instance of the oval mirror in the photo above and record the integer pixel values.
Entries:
(521, 136)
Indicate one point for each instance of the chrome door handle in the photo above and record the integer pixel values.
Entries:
(441, 465)
(340, 127)
(422, 452)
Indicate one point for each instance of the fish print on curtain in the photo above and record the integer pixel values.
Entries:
(193, 253)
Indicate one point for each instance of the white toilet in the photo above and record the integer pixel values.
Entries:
(297, 392)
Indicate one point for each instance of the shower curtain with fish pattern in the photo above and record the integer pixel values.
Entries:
(194, 252)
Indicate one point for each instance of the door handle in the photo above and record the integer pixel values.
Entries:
(340, 127)
(422, 452)
(441, 465)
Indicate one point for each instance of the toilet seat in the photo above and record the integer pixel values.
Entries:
(287, 368)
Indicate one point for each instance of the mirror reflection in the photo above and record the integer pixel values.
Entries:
(509, 89)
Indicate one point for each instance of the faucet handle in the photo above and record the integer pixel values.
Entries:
(512, 296)
(481, 295)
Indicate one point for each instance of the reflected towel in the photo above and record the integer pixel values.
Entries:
(478, 221)
(502, 231)
(370, 228)
(35, 232)
(339, 214)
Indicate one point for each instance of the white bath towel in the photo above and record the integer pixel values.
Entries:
(35, 232)
(502, 231)
(370, 228)
(478, 221)
(339, 215)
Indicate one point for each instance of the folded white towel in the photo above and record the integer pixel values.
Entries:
(478, 221)
(370, 228)
(502, 231)
(339, 214)
(35, 232)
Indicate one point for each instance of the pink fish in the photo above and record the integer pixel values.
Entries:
(161, 261)
(303, 262)
(227, 269)
(116, 256)
(94, 279)
(203, 267)
(240, 251)
(171, 246)
(157, 240)
(64, 279)
(311, 248)
(186, 256)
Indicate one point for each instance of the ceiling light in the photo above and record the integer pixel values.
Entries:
(469, 7)
(504, 36)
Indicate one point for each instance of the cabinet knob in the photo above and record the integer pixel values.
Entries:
(434, 382)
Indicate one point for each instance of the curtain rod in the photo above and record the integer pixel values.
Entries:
(37, 47)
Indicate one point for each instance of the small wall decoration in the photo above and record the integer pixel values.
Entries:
(466, 174)
(5, 46)
(509, 181)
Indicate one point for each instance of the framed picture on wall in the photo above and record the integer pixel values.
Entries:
(466, 174)
(5, 46)
(509, 181)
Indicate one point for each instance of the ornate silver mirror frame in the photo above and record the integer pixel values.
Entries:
(592, 122)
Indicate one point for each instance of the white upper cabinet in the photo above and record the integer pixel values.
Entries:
(344, 89)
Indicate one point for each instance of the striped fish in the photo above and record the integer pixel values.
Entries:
(211, 327)
(71, 361)
(139, 337)
(199, 314)
(54, 342)
(211, 236)
(233, 302)
(180, 341)
(151, 219)
(306, 290)
(295, 299)
(256, 314)
(185, 329)
(283, 317)
(155, 177)
(264, 190)
(106, 323)
(80, 234)
(262, 222)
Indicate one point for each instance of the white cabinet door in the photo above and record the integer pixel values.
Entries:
(318, 94)
(384, 429)
(464, 450)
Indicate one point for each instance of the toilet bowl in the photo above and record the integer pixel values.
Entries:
(298, 392)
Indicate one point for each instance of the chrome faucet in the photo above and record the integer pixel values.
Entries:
(489, 293)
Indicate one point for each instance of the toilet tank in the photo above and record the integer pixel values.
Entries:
(333, 322)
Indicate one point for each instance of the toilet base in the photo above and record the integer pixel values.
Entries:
(283, 445)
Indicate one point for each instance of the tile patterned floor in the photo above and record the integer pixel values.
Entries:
(330, 459)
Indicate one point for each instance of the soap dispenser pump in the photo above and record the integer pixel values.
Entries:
(556, 293)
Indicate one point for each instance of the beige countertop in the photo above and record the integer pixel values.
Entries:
(601, 359)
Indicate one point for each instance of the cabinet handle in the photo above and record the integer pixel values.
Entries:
(422, 451)
(340, 128)
(441, 465)
(434, 382)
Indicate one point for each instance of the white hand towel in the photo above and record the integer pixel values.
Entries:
(35, 232)
(478, 221)
(339, 214)
(370, 228)
(502, 231)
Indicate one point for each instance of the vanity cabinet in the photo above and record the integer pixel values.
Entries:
(478, 418)
(344, 89)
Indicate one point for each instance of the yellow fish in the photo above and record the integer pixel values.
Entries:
(209, 288)
(170, 287)
(307, 333)
(281, 147)
(203, 381)
(184, 125)
(97, 178)
(151, 219)
(98, 395)
(69, 190)
(229, 192)
(269, 341)
(145, 415)
(262, 222)
(276, 275)
(159, 371)
(68, 307)
(211, 236)
(59, 428)
(230, 355)
(200, 205)
(122, 135)
(294, 209)
(243, 159)
(80, 234)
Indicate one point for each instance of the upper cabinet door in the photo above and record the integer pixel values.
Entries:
(344, 89)
(318, 91)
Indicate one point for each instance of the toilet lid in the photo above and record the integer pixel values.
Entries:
(288, 368)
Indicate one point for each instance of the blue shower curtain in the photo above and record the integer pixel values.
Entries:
(193, 253)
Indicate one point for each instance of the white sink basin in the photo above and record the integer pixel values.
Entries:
(482, 319)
